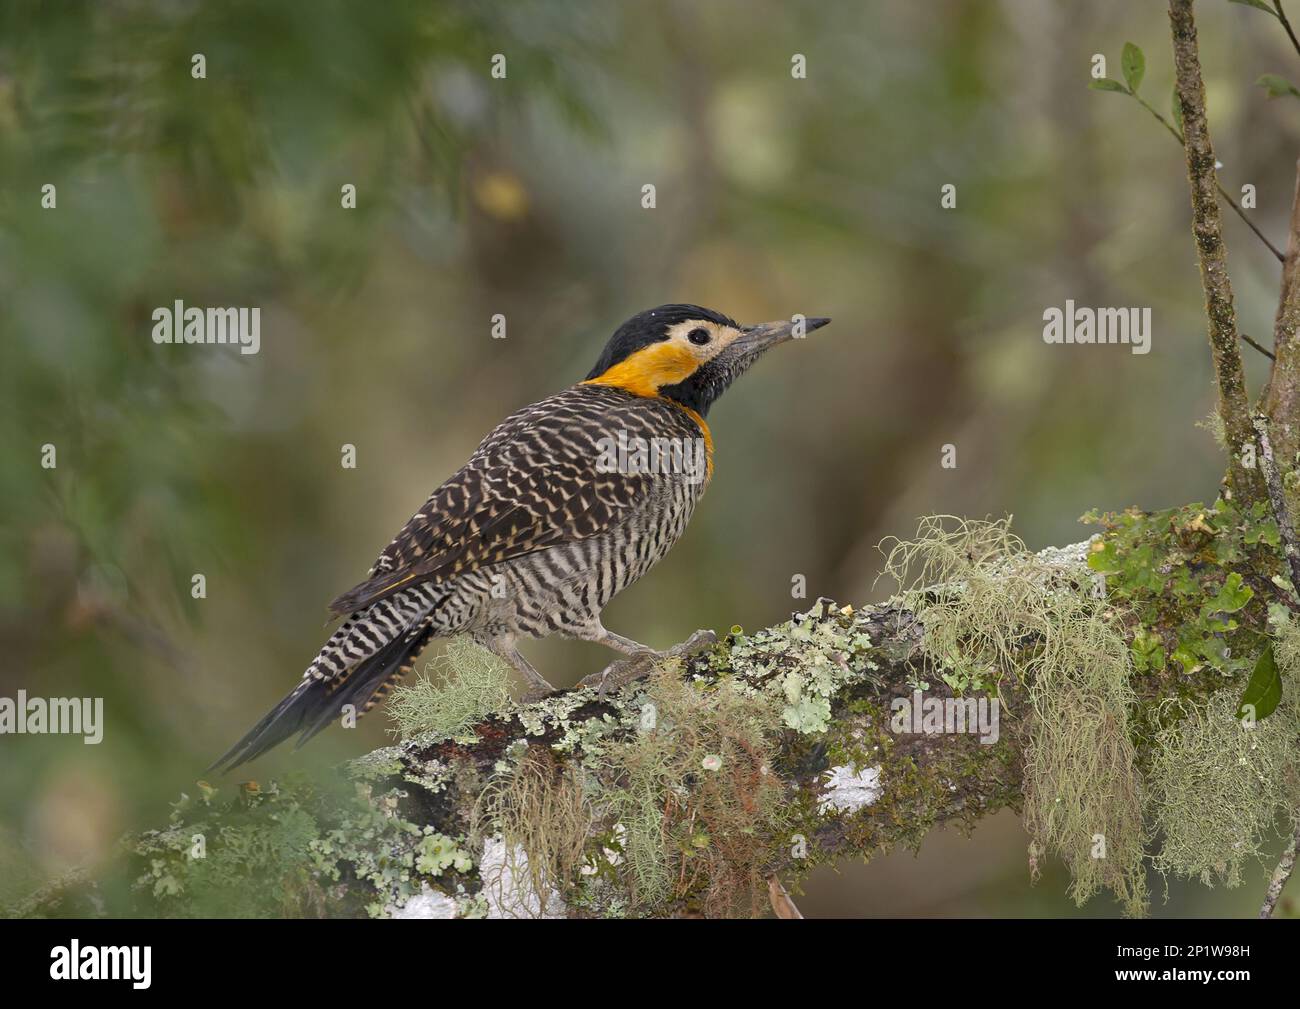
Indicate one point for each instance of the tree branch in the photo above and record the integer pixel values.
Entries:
(1281, 397)
(415, 836)
(1247, 339)
(1207, 228)
(696, 791)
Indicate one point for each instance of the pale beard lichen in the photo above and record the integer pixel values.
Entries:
(992, 610)
(1219, 787)
(456, 691)
(512, 888)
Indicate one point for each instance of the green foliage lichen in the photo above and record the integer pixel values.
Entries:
(244, 857)
(392, 855)
(295, 849)
(1193, 585)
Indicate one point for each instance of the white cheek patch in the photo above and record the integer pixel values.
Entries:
(722, 338)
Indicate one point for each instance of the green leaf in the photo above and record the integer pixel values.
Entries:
(1277, 86)
(1134, 65)
(1107, 84)
(1264, 691)
(1232, 596)
(1148, 651)
(1266, 532)
(1103, 557)
(1187, 657)
(1257, 4)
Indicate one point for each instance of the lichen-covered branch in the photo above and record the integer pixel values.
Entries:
(683, 794)
(1273, 482)
(1281, 399)
(1093, 687)
(1211, 252)
(1281, 875)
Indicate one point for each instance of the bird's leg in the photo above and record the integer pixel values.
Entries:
(619, 674)
(599, 635)
(537, 685)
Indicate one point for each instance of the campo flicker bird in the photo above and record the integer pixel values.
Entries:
(568, 502)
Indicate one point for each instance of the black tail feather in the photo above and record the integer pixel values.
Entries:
(314, 704)
(276, 726)
(369, 678)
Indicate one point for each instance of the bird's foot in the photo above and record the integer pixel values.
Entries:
(538, 688)
(617, 675)
(537, 693)
(696, 643)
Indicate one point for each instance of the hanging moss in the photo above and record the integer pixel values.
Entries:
(1220, 785)
(538, 808)
(998, 617)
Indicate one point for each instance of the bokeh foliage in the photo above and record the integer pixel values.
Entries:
(521, 197)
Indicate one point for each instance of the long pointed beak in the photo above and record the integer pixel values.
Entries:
(756, 339)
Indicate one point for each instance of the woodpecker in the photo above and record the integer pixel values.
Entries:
(542, 527)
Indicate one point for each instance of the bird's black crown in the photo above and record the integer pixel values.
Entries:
(649, 327)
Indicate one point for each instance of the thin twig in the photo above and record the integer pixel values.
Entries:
(1222, 192)
(1263, 350)
(1280, 876)
(1281, 16)
(1249, 223)
(782, 904)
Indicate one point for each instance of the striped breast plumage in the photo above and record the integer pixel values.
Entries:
(563, 505)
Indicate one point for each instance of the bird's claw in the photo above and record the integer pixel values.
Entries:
(697, 642)
(619, 674)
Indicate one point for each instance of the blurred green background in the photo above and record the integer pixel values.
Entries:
(522, 197)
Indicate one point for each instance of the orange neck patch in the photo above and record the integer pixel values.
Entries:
(649, 370)
(704, 430)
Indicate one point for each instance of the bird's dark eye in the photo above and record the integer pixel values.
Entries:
(699, 337)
